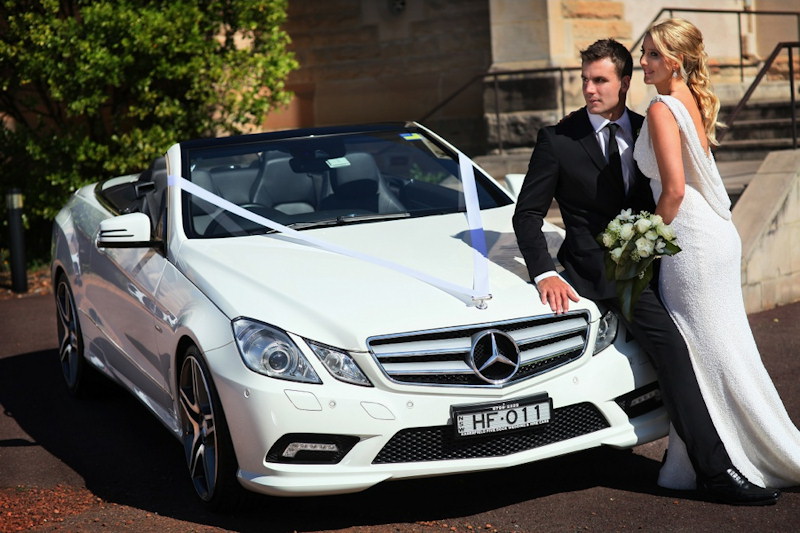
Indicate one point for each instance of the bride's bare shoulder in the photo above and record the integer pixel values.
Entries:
(659, 115)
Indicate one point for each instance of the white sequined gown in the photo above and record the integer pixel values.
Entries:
(701, 289)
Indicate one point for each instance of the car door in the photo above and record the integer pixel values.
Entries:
(121, 292)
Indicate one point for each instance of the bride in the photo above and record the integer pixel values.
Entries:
(701, 285)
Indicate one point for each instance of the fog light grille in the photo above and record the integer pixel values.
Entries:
(310, 448)
(640, 401)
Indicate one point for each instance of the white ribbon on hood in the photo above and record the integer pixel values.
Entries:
(479, 293)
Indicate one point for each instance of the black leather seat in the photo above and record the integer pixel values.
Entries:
(235, 184)
(283, 189)
(361, 186)
(155, 198)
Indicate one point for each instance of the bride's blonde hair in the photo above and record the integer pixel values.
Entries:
(680, 41)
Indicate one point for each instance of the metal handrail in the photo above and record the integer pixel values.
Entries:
(495, 75)
(763, 72)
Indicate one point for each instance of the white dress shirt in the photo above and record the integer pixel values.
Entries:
(624, 142)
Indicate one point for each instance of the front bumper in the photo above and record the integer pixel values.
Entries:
(405, 431)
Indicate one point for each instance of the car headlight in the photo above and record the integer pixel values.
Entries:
(270, 351)
(339, 364)
(606, 330)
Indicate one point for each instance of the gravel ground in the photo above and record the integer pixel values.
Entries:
(38, 283)
(23, 508)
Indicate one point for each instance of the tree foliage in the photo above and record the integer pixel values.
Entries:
(97, 88)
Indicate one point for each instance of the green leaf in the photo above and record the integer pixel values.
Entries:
(625, 296)
(670, 248)
(610, 265)
(630, 290)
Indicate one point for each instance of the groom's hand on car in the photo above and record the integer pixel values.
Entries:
(557, 293)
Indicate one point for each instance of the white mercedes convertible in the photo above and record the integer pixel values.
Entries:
(317, 311)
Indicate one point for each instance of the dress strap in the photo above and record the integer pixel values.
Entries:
(705, 177)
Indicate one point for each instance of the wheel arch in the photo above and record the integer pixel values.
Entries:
(180, 352)
(56, 271)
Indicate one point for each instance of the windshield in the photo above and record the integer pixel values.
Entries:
(325, 180)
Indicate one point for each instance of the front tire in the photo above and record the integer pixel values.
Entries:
(206, 440)
(78, 373)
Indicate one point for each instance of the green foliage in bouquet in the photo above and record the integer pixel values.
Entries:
(633, 242)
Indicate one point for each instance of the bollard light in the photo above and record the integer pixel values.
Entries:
(16, 229)
(14, 199)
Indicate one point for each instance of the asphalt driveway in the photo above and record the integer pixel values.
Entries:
(106, 465)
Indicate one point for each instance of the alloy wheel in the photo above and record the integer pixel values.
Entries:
(69, 338)
(198, 425)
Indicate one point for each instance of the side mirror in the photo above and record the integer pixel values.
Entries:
(126, 231)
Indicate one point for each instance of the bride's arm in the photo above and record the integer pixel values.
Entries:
(666, 140)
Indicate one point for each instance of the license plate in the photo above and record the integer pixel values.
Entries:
(481, 419)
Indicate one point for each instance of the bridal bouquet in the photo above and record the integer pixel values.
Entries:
(633, 242)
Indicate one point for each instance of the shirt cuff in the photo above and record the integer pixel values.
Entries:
(548, 274)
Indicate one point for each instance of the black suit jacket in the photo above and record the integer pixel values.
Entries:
(567, 164)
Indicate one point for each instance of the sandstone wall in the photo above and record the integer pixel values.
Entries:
(370, 60)
(768, 219)
(377, 60)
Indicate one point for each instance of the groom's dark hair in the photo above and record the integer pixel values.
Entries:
(611, 49)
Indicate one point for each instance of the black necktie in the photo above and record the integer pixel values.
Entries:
(614, 160)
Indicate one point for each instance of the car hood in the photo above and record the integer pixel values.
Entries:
(341, 300)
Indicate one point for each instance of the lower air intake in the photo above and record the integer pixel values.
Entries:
(439, 443)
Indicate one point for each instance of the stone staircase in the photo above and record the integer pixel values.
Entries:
(760, 128)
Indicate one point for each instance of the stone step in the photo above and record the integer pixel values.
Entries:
(760, 110)
(747, 149)
(736, 176)
(767, 128)
(511, 162)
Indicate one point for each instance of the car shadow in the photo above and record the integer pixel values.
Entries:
(126, 456)
(503, 250)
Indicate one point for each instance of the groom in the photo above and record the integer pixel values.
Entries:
(569, 163)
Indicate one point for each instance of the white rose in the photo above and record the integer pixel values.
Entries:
(645, 247)
(642, 225)
(651, 235)
(666, 231)
(608, 240)
(656, 220)
(614, 226)
(626, 231)
(616, 254)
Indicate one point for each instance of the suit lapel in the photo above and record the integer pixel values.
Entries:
(587, 138)
(581, 131)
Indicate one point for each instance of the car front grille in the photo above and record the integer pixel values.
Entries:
(439, 443)
(442, 357)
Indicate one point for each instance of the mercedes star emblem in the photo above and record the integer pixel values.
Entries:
(494, 356)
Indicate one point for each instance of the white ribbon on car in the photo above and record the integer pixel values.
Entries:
(477, 238)
(479, 293)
